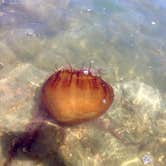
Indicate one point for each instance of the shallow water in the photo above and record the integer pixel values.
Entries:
(126, 40)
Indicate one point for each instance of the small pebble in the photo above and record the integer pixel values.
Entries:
(147, 159)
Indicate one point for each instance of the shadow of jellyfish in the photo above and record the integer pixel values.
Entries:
(41, 144)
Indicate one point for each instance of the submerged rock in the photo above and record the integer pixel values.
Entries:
(136, 106)
(17, 93)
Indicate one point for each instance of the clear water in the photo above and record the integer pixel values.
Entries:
(125, 39)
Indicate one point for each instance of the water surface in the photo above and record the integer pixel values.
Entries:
(125, 39)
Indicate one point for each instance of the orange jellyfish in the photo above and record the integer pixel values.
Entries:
(73, 96)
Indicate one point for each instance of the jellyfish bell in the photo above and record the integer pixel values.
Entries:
(72, 96)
